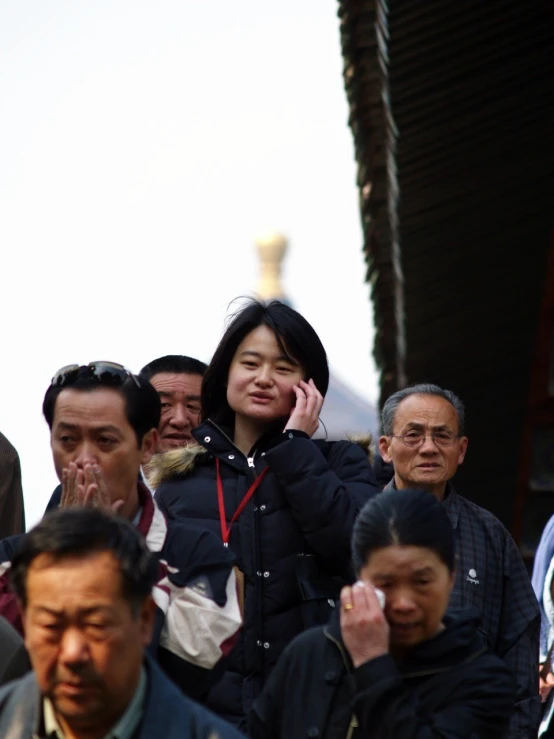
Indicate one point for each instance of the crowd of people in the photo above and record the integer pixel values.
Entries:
(207, 568)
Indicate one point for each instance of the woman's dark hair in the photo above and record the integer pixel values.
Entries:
(411, 518)
(79, 532)
(297, 341)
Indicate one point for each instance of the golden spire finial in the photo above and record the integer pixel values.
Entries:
(272, 247)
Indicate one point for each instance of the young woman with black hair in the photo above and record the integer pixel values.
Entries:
(284, 504)
(405, 671)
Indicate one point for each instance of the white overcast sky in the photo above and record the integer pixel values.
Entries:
(143, 145)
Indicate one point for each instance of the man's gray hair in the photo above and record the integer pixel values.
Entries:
(425, 388)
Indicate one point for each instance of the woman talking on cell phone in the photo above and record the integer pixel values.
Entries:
(285, 504)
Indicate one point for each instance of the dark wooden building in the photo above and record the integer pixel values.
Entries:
(452, 114)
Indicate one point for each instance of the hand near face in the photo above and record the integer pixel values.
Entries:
(305, 414)
(85, 486)
(364, 628)
(72, 486)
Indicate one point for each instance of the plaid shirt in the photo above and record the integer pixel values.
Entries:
(492, 578)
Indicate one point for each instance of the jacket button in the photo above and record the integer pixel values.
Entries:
(266, 574)
(231, 456)
(262, 507)
(258, 643)
(258, 573)
(331, 602)
(255, 508)
(207, 439)
(263, 454)
(330, 676)
(313, 732)
(266, 645)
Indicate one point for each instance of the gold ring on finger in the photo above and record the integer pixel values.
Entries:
(348, 606)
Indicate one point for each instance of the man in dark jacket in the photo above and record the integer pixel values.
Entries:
(423, 436)
(84, 579)
(103, 423)
(177, 379)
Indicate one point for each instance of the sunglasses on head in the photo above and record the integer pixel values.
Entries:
(105, 373)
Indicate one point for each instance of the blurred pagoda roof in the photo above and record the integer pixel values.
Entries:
(345, 413)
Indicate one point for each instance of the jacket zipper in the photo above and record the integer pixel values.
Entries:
(250, 460)
(353, 725)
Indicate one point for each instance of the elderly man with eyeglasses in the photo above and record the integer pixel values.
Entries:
(423, 436)
(104, 426)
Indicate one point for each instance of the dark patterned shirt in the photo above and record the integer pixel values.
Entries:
(491, 577)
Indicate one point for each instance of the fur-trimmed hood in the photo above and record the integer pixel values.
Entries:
(179, 462)
(174, 463)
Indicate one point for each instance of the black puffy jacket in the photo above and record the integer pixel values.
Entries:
(292, 541)
(448, 687)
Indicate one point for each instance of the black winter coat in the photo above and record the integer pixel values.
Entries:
(449, 687)
(292, 541)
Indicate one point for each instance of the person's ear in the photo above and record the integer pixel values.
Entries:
(149, 446)
(147, 617)
(26, 631)
(452, 581)
(384, 449)
(463, 449)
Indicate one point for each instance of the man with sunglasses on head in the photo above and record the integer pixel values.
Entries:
(103, 422)
(178, 380)
(423, 436)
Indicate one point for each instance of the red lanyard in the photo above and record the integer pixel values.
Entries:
(226, 530)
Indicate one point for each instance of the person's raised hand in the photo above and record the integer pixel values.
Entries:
(86, 486)
(305, 414)
(546, 683)
(96, 490)
(363, 625)
(72, 486)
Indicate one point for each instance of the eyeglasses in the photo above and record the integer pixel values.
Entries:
(416, 438)
(105, 373)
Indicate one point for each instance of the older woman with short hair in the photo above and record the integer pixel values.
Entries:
(407, 670)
